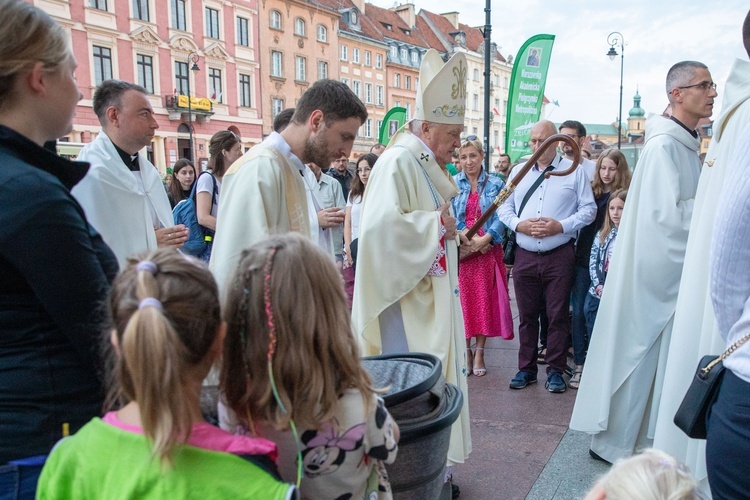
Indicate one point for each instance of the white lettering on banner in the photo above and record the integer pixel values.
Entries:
(529, 74)
(530, 86)
(528, 99)
(526, 110)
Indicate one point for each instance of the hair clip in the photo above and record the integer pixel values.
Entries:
(146, 265)
(150, 302)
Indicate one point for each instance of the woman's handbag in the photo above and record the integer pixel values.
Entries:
(693, 413)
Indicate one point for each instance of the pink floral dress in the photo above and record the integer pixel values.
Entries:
(483, 281)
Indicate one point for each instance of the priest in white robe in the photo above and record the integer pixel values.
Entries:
(263, 192)
(406, 287)
(618, 400)
(696, 333)
(122, 193)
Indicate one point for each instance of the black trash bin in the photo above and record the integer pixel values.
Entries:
(425, 407)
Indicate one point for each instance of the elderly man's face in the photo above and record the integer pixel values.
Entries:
(540, 133)
(442, 139)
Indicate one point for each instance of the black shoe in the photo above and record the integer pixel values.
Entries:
(595, 456)
(522, 379)
(455, 490)
(555, 383)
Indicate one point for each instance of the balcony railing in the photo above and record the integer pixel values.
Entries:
(177, 105)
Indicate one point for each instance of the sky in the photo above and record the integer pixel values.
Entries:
(581, 78)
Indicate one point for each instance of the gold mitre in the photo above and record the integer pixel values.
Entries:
(441, 95)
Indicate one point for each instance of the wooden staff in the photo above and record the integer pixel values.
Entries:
(511, 186)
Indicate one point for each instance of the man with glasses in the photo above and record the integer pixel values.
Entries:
(576, 131)
(545, 227)
(339, 170)
(621, 385)
(502, 167)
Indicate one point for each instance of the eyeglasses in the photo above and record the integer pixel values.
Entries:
(704, 86)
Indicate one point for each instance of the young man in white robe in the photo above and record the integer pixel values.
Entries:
(696, 333)
(263, 192)
(618, 400)
(122, 193)
(406, 286)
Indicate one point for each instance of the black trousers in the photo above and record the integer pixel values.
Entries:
(728, 440)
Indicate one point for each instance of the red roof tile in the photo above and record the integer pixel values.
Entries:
(399, 30)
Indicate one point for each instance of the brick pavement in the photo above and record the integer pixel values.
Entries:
(521, 444)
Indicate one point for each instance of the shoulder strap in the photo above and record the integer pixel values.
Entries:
(533, 188)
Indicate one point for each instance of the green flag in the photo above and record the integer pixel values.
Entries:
(394, 120)
(526, 93)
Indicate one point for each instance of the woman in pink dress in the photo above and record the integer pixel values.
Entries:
(482, 275)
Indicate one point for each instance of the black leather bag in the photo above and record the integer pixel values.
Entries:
(693, 413)
(509, 243)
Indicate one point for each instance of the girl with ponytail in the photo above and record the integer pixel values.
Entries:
(166, 334)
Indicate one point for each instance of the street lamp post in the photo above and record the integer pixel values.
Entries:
(616, 39)
(192, 58)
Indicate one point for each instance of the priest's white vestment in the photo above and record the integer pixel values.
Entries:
(696, 333)
(116, 204)
(398, 244)
(621, 383)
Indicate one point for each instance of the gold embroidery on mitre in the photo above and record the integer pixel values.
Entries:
(458, 89)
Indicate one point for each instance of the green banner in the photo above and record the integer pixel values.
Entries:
(393, 121)
(526, 93)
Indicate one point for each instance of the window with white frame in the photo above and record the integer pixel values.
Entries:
(300, 69)
(378, 126)
(344, 52)
(394, 52)
(245, 94)
(98, 4)
(345, 81)
(102, 64)
(355, 55)
(140, 10)
(496, 138)
(275, 20)
(368, 93)
(322, 70)
(475, 102)
(407, 82)
(181, 77)
(212, 23)
(415, 57)
(277, 68)
(379, 61)
(299, 27)
(214, 84)
(397, 104)
(505, 82)
(404, 54)
(179, 14)
(397, 80)
(368, 58)
(145, 65)
(322, 33)
(474, 131)
(243, 31)
(357, 88)
(379, 95)
(476, 75)
(408, 111)
(368, 128)
(277, 106)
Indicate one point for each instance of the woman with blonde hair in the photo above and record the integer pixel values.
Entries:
(166, 334)
(483, 278)
(55, 268)
(291, 373)
(610, 174)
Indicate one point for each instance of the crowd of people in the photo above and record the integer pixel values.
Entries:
(310, 263)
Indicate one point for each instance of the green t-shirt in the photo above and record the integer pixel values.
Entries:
(452, 169)
(102, 461)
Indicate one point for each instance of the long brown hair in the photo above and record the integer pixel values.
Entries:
(160, 346)
(620, 194)
(175, 189)
(622, 176)
(358, 188)
(223, 140)
(315, 357)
